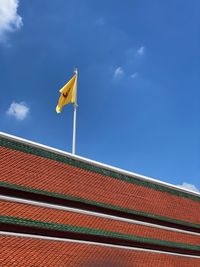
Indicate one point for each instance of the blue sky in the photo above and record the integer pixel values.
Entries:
(138, 85)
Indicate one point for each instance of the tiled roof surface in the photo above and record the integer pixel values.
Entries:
(82, 184)
(42, 174)
(21, 252)
(64, 220)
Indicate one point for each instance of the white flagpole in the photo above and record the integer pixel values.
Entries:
(74, 123)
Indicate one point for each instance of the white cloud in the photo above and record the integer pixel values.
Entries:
(140, 51)
(190, 187)
(18, 110)
(9, 19)
(134, 75)
(118, 73)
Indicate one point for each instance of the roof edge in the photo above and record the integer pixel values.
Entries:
(98, 164)
(58, 239)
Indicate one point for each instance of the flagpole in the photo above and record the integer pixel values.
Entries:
(74, 122)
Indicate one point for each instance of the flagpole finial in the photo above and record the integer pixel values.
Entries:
(76, 70)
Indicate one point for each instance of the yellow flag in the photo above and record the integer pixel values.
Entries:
(68, 93)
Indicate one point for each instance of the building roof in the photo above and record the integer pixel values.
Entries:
(95, 163)
(46, 171)
(77, 211)
(39, 251)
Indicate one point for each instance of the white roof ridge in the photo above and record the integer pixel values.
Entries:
(99, 164)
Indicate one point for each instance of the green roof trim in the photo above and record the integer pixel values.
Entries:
(30, 149)
(99, 204)
(92, 231)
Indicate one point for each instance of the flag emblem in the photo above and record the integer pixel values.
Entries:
(67, 93)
